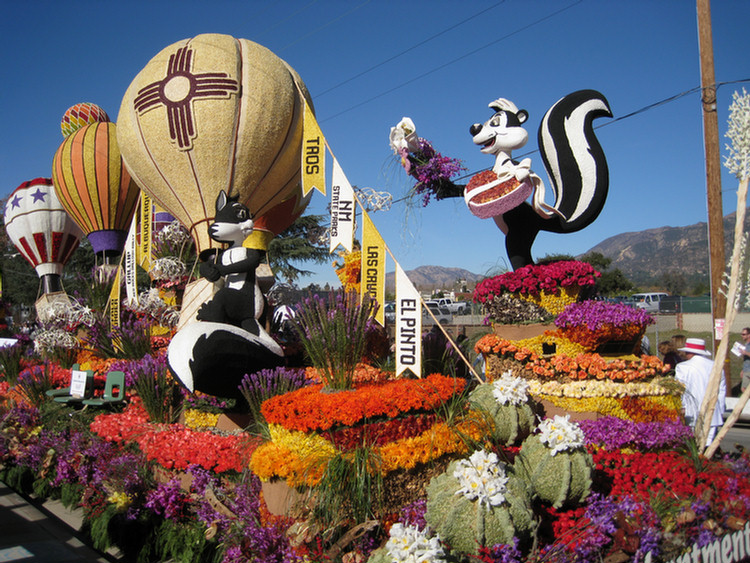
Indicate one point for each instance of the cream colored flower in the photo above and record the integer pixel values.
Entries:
(559, 434)
(404, 136)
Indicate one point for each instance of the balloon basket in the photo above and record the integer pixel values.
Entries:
(47, 301)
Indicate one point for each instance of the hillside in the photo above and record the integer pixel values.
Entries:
(645, 256)
(426, 278)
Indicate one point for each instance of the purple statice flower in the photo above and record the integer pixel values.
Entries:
(598, 314)
(611, 432)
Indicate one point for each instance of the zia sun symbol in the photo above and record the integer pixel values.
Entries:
(178, 90)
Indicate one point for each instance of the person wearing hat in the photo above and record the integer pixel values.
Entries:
(694, 373)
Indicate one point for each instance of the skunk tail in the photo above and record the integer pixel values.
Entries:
(574, 159)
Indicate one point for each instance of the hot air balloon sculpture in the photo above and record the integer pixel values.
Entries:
(41, 230)
(208, 115)
(81, 115)
(95, 188)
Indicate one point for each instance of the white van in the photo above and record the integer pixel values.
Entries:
(647, 301)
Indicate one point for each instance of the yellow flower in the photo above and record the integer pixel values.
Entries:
(120, 500)
(200, 419)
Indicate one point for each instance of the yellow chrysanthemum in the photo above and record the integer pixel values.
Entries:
(554, 303)
(120, 500)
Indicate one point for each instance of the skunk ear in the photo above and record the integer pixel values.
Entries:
(221, 201)
(523, 115)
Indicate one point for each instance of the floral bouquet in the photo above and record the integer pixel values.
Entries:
(432, 170)
(593, 323)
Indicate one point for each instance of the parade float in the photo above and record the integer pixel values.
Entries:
(570, 446)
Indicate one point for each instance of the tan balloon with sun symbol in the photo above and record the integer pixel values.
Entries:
(213, 113)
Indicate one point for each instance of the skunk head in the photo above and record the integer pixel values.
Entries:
(503, 131)
(232, 223)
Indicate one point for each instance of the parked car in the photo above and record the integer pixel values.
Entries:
(389, 310)
(648, 301)
(443, 315)
(455, 307)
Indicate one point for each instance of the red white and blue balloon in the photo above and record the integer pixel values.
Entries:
(39, 226)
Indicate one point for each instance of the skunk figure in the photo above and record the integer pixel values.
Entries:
(572, 156)
(213, 354)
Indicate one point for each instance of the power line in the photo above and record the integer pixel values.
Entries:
(317, 29)
(419, 44)
(444, 65)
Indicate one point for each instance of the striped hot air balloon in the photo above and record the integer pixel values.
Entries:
(208, 114)
(95, 188)
(41, 230)
(81, 115)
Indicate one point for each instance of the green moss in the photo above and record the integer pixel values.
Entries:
(466, 525)
(511, 423)
(561, 480)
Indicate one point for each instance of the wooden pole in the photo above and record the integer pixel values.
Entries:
(713, 173)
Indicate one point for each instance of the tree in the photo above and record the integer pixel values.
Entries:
(674, 282)
(299, 243)
(611, 282)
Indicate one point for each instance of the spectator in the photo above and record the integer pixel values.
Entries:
(670, 357)
(745, 359)
(678, 341)
(694, 373)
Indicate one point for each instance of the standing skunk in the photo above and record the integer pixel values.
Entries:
(213, 354)
(572, 156)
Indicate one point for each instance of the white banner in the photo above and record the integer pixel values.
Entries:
(129, 263)
(408, 325)
(342, 210)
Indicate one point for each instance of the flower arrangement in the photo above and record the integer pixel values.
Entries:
(432, 170)
(482, 478)
(613, 433)
(578, 367)
(310, 409)
(593, 323)
(537, 278)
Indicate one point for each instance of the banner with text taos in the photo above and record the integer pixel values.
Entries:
(313, 154)
(408, 325)
(342, 210)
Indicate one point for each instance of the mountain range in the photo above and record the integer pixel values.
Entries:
(645, 257)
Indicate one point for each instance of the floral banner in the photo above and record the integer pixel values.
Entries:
(114, 300)
(144, 243)
(342, 210)
(313, 155)
(373, 266)
(408, 325)
(129, 263)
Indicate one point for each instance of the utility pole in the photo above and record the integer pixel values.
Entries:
(716, 257)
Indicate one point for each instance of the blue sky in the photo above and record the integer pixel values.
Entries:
(368, 63)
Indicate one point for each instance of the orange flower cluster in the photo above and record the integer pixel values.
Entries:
(312, 408)
(363, 373)
(272, 460)
(582, 366)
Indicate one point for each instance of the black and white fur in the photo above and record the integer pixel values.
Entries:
(213, 354)
(572, 156)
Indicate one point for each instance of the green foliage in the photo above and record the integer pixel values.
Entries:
(466, 525)
(510, 424)
(614, 282)
(296, 244)
(561, 480)
(351, 488)
(597, 260)
(333, 334)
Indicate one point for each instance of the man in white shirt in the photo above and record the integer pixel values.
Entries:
(694, 374)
